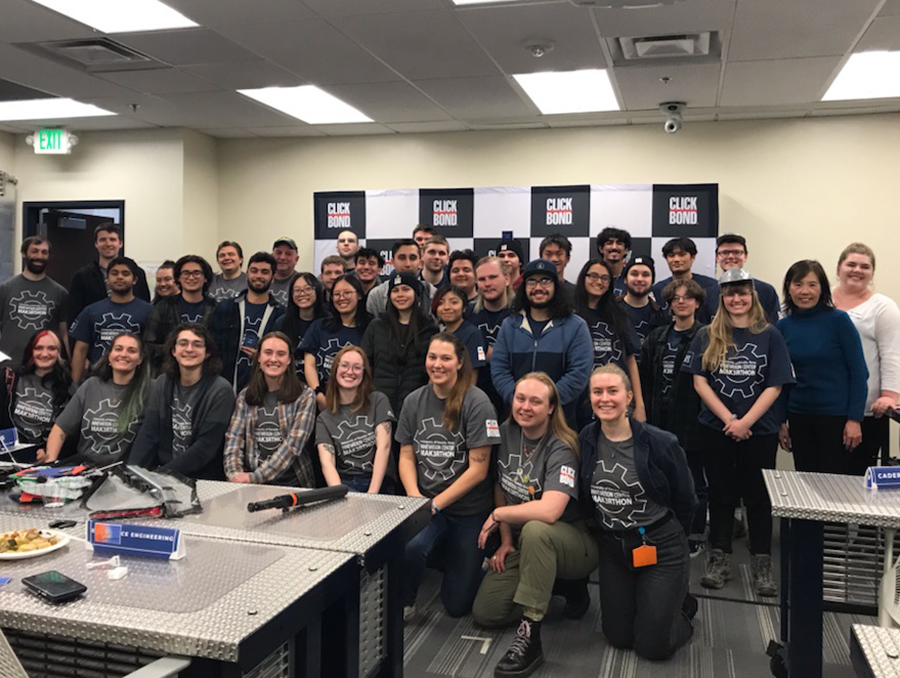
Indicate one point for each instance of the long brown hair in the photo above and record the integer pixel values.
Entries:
(290, 388)
(464, 379)
(721, 329)
(557, 424)
(363, 391)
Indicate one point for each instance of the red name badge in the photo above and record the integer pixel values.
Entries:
(644, 555)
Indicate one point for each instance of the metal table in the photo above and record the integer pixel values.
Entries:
(875, 651)
(233, 606)
(804, 502)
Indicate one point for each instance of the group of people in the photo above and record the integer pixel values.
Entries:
(555, 427)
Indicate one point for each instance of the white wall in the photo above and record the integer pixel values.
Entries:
(7, 154)
(200, 195)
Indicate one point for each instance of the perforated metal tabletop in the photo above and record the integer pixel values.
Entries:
(880, 648)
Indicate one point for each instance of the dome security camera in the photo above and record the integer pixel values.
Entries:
(672, 125)
(672, 111)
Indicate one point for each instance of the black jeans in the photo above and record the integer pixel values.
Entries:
(695, 462)
(875, 437)
(734, 470)
(818, 443)
(640, 608)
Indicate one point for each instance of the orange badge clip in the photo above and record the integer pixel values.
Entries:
(644, 555)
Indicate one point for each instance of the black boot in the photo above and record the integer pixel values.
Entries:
(525, 654)
(578, 599)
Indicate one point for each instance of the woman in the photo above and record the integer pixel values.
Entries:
(740, 364)
(343, 325)
(107, 410)
(36, 393)
(636, 485)
(305, 305)
(188, 410)
(446, 431)
(396, 341)
(826, 406)
(542, 537)
(449, 307)
(273, 420)
(615, 340)
(353, 432)
(877, 319)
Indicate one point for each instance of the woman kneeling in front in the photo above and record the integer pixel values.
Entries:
(636, 482)
(542, 537)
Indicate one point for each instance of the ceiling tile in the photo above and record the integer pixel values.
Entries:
(217, 13)
(684, 17)
(777, 82)
(420, 45)
(245, 75)
(890, 8)
(226, 109)
(883, 34)
(159, 81)
(422, 127)
(192, 46)
(25, 21)
(774, 29)
(48, 76)
(502, 32)
(476, 98)
(390, 102)
(335, 8)
(696, 84)
(11, 91)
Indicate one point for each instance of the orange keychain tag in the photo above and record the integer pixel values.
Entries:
(644, 555)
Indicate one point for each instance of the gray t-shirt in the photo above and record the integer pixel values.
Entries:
(221, 289)
(26, 307)
(184, 400)
(94, 413)
(33, 413)
(279, 290)
(527, 468)
(616, 490)
(442, 455)
(352, 434)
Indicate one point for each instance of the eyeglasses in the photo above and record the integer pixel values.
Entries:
(191, 274)
(350, 367)
(682, 297)
(184, 343)
(730, 253)
(594, 277)
(343, 295)
(303, 290)
(543, 282)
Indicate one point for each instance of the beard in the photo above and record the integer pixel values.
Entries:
(638, 293)
(259, 288)
(36, 265)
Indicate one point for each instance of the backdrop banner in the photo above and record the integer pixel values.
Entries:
(477, 218)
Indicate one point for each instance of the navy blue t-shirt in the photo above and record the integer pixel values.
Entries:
(100, 322)
(191, 312)
(644, 319)
(489, 323)
(674, 339)
(473, 339)
(608, 347)
(253, 315)
(325, 344)
(756, 362)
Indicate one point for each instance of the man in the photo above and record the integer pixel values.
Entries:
(510, 253)
(347, 247)
(462, 272)
(165, 281)
(284, 250)
(193, 305)
(369, 263)
(404, 257)
(644, 313)
(230, 281)
(680, 254)
(89, 284)
(30, 302)
(731, 252)
(613, 245)
(557, 249)
(332, 268)
(421, 233)
(435, 257)
(543, 335)
(670, 400)
(491, 308)
(238, 324)
(98, 324)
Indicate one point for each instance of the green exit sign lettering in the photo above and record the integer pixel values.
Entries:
(52, 142)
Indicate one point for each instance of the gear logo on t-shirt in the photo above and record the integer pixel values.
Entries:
(100, 428)
(668, 364)
(741, 372)
(31, 310)
(355, 441)
(32, 413)
(440, 453)
(181, 426)
(268, 433)
(112, 325)
(617, 506)
(607, 349)
(325, 356)
(516, 478)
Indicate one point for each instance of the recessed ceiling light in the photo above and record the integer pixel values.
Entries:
(307, 103)
(570, 92)
(48, 109)
(120, 16)
(867, 75)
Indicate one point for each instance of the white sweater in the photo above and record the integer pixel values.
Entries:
(878, 322)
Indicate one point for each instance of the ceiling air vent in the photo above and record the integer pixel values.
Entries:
(665, 46)
(99, 55)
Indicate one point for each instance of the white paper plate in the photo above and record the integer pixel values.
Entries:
(63, 540)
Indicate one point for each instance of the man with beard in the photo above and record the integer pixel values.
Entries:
(491, 308)
(613, 245)
(238, 324)
(645, 314)
(347, 247)
(543, 335)
(30, 302)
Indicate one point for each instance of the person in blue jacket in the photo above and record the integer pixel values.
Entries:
(636, 486)
(543, 335)
(825, 408)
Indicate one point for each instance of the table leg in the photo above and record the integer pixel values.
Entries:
(392, 666)
(805, 599)
(886, 597)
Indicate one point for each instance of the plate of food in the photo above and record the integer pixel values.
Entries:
(30, 543)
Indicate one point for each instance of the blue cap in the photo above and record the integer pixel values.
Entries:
(540, 266)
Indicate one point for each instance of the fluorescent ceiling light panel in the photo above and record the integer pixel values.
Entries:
(570, 92)
(307, 103)
(48, 109)
(120, 16)
(867, 75)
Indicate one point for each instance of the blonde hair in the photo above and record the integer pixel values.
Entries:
(557, 426)
(721, 329)
(612, 368)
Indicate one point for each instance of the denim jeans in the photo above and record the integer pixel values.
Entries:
(640, 607)
(462, 571)
(360, 483)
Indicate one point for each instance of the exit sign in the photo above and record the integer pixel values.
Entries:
(52, 142)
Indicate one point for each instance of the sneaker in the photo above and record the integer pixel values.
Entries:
(409, 612)
(525, 654)
(578, 599)
(696, 547)
(718, 569)
(763, 581)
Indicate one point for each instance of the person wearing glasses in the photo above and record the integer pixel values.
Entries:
(543, 335)
(306, 304)
(732, 252)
